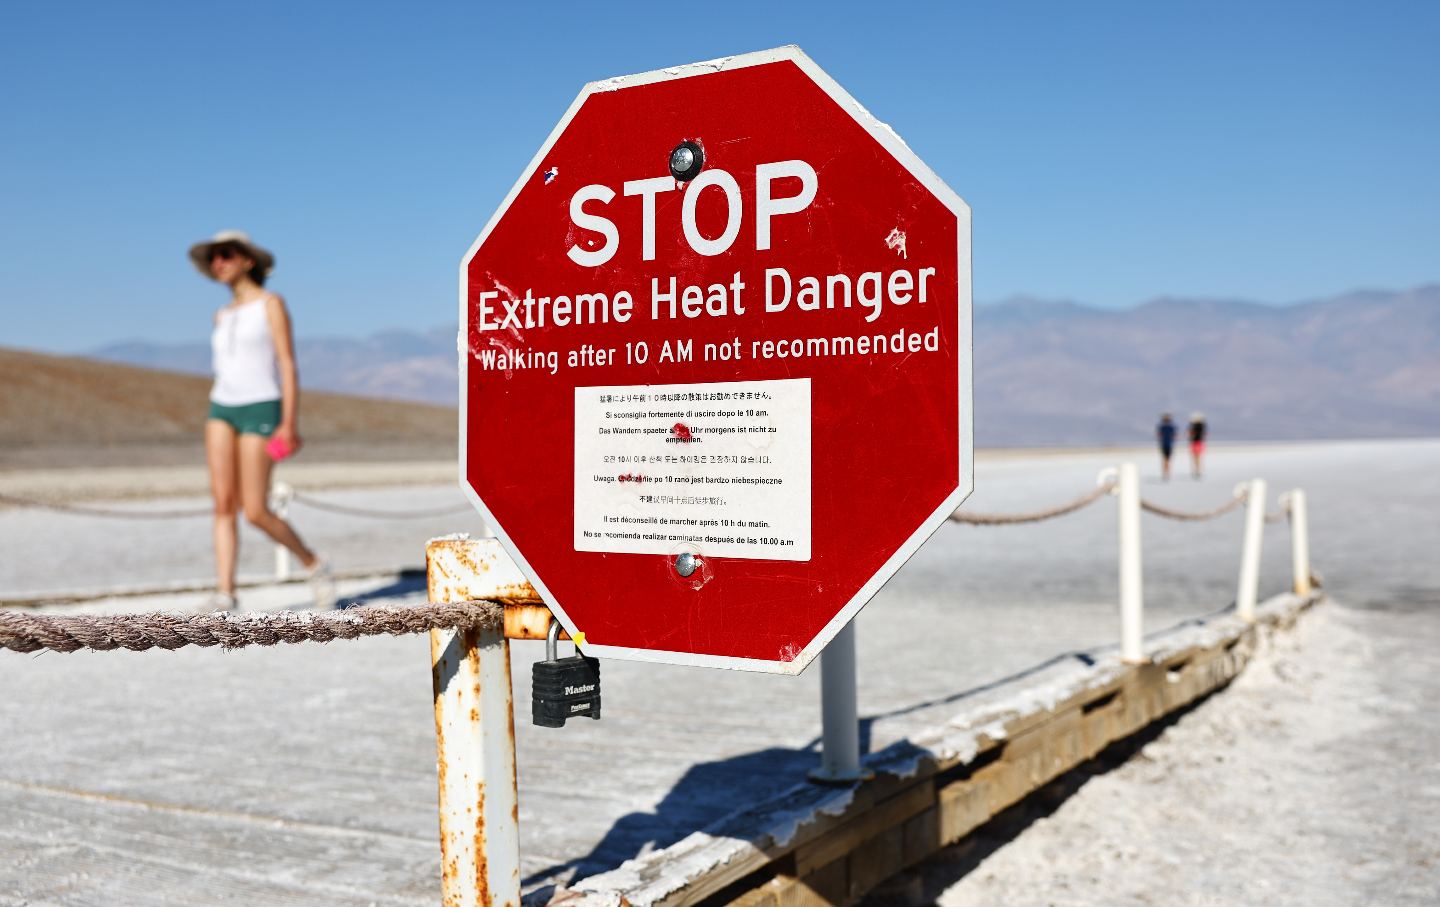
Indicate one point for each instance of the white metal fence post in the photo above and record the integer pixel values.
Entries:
(1299, 542)
(475, 748)
(1131, 581)
(839, 712)
(281, 494)
(1248, 590)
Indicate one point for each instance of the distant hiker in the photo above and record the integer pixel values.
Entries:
(1197, 442)
(254, 407)
(1165, 434)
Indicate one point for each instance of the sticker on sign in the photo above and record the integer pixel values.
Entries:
(722, 469)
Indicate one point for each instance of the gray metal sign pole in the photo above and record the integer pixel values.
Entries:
(839, 712)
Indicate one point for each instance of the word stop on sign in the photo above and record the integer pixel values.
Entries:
(767, 206)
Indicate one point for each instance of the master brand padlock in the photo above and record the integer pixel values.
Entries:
(563, 688)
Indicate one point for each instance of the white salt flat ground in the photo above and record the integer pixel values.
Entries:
(305, 775)
(1312, 781)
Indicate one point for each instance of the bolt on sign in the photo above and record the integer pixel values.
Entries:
(715, 373)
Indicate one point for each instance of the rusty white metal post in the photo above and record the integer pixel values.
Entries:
(1299, 542)
(1248, 590)
(839, 712)
(475, 745)
(1132, 601)
(281, 494)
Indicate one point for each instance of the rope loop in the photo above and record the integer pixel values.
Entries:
(83, 510)
(308, 501)
(1193, 516)
(1283, 513)
(190, 513)
(1107, 485)
(1011, 519)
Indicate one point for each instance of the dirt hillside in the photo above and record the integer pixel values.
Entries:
(69, 411)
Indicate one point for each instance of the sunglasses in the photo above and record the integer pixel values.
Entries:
(224, 253)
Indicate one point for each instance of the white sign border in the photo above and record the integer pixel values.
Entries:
(887, 137)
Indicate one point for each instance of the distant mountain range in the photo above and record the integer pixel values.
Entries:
(394, 364)
(1363, 364)
(61, 411)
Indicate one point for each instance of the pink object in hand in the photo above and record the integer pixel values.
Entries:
(278, 448)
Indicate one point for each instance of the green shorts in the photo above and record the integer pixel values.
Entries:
(251, 419)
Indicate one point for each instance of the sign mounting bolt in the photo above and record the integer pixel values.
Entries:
(686, 161)
(686, 563)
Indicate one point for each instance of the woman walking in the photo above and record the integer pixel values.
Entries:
(254, 407)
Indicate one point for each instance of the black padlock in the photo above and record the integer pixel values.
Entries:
(563, 688)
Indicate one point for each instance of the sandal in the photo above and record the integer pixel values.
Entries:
(221, 601)
(322, 585)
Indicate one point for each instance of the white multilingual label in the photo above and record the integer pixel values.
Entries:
(720, 469)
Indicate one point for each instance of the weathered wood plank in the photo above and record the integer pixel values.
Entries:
(881, 818)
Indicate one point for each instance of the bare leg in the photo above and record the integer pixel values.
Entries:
(1165, 466)
(255, 466)
(225, 490)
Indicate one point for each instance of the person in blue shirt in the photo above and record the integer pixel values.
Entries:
(1165, 434)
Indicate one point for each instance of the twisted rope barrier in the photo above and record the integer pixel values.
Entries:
(1085, 500)
(1193, 516)
(1010, 519)
(379, 514)
(82, 510)
(189, 513)
(21, 632)
(973, 519)
(139, 632)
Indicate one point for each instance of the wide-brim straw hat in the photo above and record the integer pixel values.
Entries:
(200, 252)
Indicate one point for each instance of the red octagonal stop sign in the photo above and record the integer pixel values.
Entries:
(716, 374)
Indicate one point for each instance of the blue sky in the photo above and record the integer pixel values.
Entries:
(1112, 152)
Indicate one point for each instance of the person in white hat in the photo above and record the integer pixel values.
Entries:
(254, 406)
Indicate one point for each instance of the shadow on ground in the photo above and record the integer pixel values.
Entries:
(408, 582)
(706, 792)
(710, 791)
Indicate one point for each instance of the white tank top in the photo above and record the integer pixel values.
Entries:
(243, 356)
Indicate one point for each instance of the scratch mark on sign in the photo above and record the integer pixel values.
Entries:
(551, 174)
(900, 363)
(896, 241)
